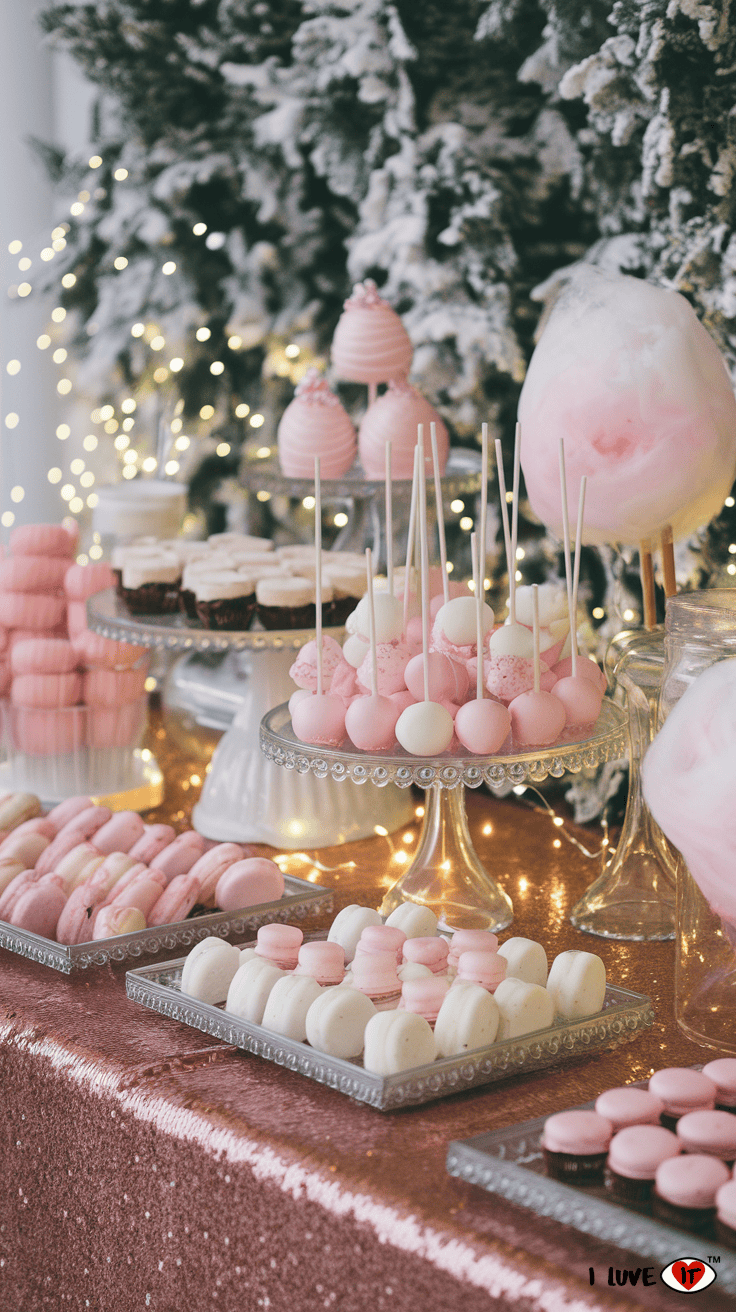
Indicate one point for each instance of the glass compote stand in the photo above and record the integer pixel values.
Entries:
(446, 873)
(634, 897)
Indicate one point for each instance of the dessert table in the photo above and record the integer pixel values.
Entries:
(145, 1165)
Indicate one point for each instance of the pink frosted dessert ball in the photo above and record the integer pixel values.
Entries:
(371, 344)
(626, 373)
(393, 418)
(315, 423)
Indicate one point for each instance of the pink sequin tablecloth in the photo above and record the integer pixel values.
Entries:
(144, 1165)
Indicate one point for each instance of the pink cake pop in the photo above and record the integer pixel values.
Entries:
(370, 721)
(537, 718)
(626, 373)
(319, 719)
(316, 424)
(371, 344)
(395, 416)
(426, 728)
(579, 696)
(482, 726)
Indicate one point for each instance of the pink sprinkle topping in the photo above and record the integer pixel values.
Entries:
(366, 297)
(314, 389)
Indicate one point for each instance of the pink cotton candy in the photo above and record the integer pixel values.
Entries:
(627, 375)
(689, 784)
(391, 663)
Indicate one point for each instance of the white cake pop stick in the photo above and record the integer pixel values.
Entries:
(514, 523)
(483, 500)
(389, 522)
(318, 569)
(424, 557)
(477, 557)
(410, 539)
(510, 567)
(371, 622)
(535, 631)
(566, 538)
(418, 521)
(576, 578)
(440, 512)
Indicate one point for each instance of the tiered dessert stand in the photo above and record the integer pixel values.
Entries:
(244, 798)
(364, 497)
(446, 873)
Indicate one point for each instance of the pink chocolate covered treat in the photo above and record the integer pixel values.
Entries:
(370, 722)
(537, 718)
(370, 344)
(315, 424)
(320, 720)
(391, 663)
(304, 670)
(586, 668)
(482, 727)
(394, 418)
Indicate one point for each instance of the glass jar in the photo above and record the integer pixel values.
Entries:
(700, 630)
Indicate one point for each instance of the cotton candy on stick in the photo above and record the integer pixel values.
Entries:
(689, 783)
(580, 697)
(627, 374)
(319, 719)
(426, 727)
(481, 725)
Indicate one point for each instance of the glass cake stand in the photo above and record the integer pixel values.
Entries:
(446, 873)
(365, 496)
(244, 798)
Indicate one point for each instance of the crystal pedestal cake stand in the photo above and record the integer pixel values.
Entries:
(446, 873)
(244, 798)
(364, 496)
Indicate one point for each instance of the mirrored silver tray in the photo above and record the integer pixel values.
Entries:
(301, 898)
(624, 1015)
(109, 616)
(510, 1164)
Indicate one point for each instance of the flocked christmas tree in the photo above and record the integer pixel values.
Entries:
(259, 158)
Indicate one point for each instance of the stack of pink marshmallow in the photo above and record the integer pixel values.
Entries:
(82, 873)
(51, 660)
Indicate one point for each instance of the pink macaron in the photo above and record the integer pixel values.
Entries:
(38, 611)
(629, 1106)
(142, 892)
(42, 540)
(110, 687)
(711, 1132)
(424, 996)
(178, 857)
(324, 961)
(75, 613)
(279, 944)
(17, 886)
(115, 871)
(75, 921)
(152, 841)
(25, 847)
(485, 968)
(120, 832)
(65, 811)
(249, 883)
(430, 952)
(176, 901)
(682, 1090)
(39, 906)
(374, 973)
(78, 830)
(40, 824)
(46, 691)
(43, 656)
(213, 864)
(78, 866)
(46, 732)
(470, 940)
(381, 938)
(83, 581)
(33, 573)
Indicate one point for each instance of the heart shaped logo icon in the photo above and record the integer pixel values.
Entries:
(688, 1275)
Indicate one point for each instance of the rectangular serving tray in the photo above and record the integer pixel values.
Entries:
(624, 1015)
(510, 1163)
(301, 898)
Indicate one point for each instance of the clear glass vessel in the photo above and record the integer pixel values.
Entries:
(700, 630)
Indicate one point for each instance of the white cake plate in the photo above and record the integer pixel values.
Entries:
(245, 799)
(446, 873)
